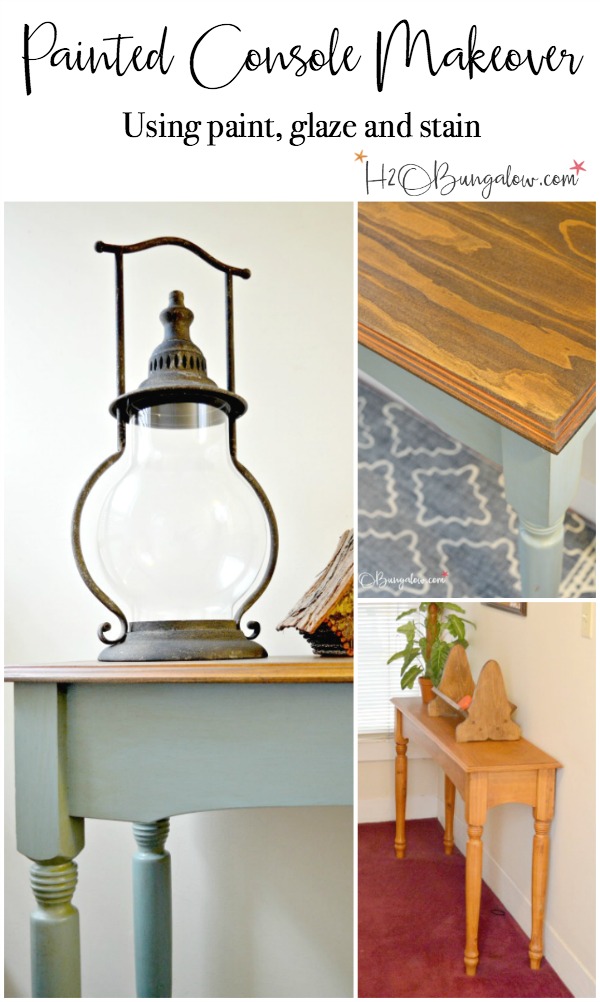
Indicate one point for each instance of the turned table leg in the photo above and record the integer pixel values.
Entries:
(473, 896)
(55, 963)
(152, 910)
(400, 843)
(540, 486)
(401, 782)
(49, 836)
(539, 881)
(542, 819)
(449, 798)
(475, 812)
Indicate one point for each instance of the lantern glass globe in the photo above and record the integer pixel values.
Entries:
(182, 535)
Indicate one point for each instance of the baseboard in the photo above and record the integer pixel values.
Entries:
(576, 977)
(384, 808)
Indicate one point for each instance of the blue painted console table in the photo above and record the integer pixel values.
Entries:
(143, 742)
(482, 317)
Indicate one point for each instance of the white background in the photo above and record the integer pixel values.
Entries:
(67, 138)
(66, 143)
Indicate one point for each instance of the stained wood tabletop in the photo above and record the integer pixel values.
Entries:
(491, 303)
(275, 670)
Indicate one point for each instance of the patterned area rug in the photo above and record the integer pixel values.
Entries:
(433, 519)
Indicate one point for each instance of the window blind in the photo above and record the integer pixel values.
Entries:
(376, 681)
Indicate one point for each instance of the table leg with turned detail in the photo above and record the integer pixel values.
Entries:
(401, 786)
(486, 774)
(543, 813)
(475, 812)
(55, 949)
(140, 743)
(48, 836)
(152, 910)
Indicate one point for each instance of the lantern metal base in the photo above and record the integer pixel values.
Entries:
(183, 640)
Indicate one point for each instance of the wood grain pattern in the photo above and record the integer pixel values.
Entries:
(267, 670)
(489, 715)
(456, 682)
(492, 303)
(481, 756)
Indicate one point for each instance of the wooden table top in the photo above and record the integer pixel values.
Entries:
(493, 303)
(250, 671)
(475, 756)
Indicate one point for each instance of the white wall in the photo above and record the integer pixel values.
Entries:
(376, 780)
(549, 671)
(245, 883)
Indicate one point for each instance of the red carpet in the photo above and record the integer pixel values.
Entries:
(411, 924)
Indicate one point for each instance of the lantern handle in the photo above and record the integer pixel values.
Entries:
(229, 270)
(104, 248)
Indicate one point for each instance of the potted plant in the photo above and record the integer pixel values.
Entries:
(430, 632)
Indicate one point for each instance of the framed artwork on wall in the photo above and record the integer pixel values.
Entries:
(518, 608)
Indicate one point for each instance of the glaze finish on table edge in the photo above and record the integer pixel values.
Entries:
(289, 670)
(552, 437)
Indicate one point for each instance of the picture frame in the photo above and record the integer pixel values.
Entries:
(517, 608)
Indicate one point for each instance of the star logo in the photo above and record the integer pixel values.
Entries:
(361, 156)
(444, 574)
(577, 167)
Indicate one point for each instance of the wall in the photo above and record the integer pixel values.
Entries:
(549, 671)
(245, 920)
(376, 761)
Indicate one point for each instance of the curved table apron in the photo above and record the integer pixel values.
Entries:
(144, 742)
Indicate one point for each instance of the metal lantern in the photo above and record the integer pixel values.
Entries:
(186, 536)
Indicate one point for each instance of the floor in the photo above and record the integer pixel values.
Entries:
(411, 926)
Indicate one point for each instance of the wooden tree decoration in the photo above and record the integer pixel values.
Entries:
(456, 682)
(489, 715)
(325, 614)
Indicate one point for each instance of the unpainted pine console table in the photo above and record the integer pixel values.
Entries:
(486, 774)
(142, 742)
(482, 317)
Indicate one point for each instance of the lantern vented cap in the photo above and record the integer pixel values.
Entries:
(177, 370)
(177, 351)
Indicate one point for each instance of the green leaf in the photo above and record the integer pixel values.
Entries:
(408, 680)
(407, 612)
(408, 660)
(396, 656)
(439, 656)
(408, 629)
(456, 627)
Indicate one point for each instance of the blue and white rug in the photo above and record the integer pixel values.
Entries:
(433, 520)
